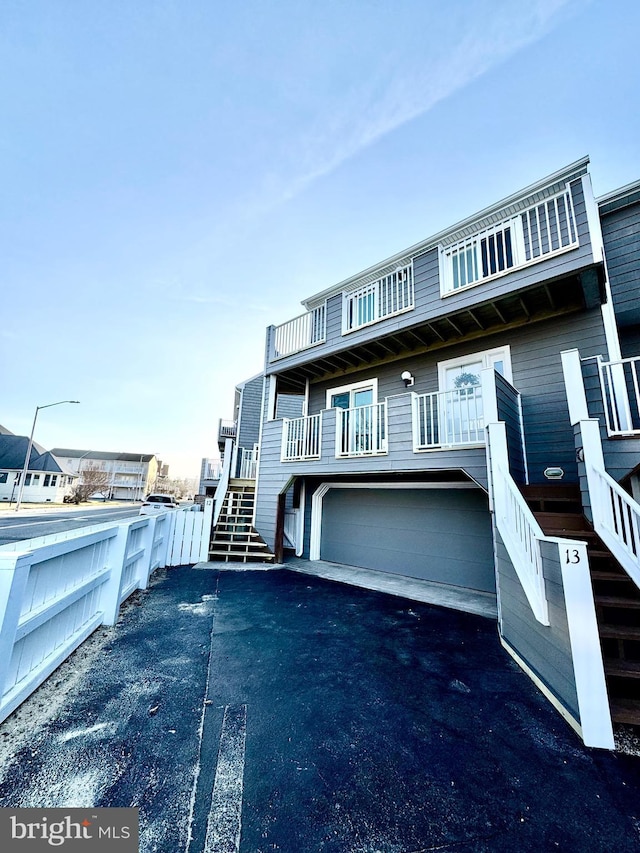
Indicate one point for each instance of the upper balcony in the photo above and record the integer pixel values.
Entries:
(533, 254)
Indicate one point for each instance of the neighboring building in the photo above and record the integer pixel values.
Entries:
(209, 477)
(447, 399)
(48, 479)
(131, 475)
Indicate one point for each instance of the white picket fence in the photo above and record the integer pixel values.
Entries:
(56, 590)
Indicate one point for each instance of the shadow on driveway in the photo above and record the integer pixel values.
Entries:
(281, 712)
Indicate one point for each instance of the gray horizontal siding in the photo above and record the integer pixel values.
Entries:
(537, 375)
(248, 430)
(509, 412)
(621, 235)
(437, 535)
(545, 649)
(429, 305)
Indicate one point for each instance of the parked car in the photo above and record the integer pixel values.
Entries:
(158, 503)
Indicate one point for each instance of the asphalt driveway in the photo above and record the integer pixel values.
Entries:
(273, 711)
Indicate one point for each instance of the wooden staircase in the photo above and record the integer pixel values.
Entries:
(558, 509)
(234, 539)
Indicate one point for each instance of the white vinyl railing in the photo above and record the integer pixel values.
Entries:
(304, 331)
(621, 395)
(546, 228)
(291, 526)
(301, 438)
(616, 519)
(391, 294)
(56, 590)
(448, 419)
(516, 523)
(361, 431)
(248, 463)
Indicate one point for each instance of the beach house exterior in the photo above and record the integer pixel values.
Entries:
(469, 418)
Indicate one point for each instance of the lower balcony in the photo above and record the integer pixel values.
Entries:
(408, 432)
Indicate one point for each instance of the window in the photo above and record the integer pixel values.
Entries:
(27, 480)
(47, 479)
(36, 479)
(461, 412)
(3, 476)
(543, 229)
(391, 294)
(54, 479)
(352, 396)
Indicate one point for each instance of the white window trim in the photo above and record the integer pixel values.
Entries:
(347, 294)
(354, 386)
(443, 366)
(520, 263)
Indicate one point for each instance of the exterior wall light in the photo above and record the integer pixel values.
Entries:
(553, 473)
(407, 378)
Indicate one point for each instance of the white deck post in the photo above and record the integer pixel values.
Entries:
(14, 573)
(110, 598)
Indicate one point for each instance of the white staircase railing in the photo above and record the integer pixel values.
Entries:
(517, 525)
(223, 482)
(616, 515)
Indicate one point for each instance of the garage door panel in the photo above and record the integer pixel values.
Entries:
(439, 535)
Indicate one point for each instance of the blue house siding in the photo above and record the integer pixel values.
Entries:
(249, 413)
(621, 235)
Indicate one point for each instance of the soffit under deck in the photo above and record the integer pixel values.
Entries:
(513, 310)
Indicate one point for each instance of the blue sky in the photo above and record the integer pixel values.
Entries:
(178, 175)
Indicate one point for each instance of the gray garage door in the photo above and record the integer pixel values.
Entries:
(441, 535)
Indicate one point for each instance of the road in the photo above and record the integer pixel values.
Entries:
(18, 527)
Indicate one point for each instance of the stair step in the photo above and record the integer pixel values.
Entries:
(552, 492)
(616, 577)
(622, 668)
(562, 520)
(617, 601)
(626, 711)
(620, 632)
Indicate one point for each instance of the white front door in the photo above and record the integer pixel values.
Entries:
(359, 429)
(462, 420)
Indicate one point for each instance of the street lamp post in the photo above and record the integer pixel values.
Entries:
(30, 445)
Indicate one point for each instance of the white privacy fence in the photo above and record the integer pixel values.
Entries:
(448, 418)
(55, 591)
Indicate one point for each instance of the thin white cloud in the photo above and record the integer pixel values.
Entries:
(485, 35)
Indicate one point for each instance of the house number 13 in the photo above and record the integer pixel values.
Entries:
(573, 555)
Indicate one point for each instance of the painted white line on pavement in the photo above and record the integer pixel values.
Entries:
(54, 521)
(224, 824)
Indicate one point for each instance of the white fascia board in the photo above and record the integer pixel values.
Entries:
(619, 194)
(568, 173)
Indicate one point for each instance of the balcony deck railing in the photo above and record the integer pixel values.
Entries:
(362, 431)
(301, 438)
(248, 463)
(621, 395)
(226, 429)
(302, 332)
(448, 419)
